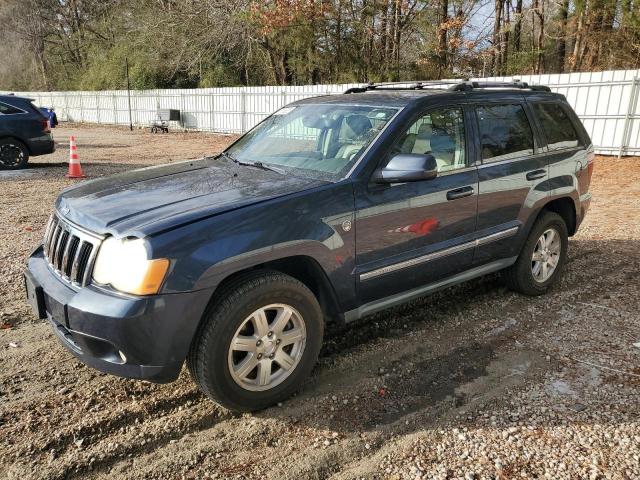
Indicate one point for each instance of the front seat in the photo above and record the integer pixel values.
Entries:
(443, 147)
(355, 129)
(422, 143)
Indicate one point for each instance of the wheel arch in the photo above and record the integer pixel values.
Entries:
(13, 137)
(303, 268)
(566, 208)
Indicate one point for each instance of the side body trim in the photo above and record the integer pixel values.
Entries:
(393, 300)
(439, 254)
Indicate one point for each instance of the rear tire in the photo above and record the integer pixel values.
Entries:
(273, 321)
(14, 154)
(542, 258)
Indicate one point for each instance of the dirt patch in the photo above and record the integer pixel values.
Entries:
(473, 381)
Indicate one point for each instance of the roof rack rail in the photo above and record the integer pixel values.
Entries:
(472, 85)
(465, 85)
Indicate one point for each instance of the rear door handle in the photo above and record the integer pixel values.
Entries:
(459, 193)
(536, 174)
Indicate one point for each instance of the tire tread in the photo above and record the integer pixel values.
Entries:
(518, 276)
(229, 296)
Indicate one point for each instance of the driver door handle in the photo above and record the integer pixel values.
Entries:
(536, 174)
(460, 193)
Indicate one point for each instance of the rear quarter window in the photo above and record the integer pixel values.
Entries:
(6, 109)
(558, 127)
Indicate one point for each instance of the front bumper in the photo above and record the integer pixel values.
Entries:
(134, 337)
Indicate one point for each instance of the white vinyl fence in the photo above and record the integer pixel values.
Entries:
(606, 102)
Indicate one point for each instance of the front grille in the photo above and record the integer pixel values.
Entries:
(70, 250)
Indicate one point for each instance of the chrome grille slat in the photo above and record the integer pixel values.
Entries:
(76, 260)
(88, 267)
(52, 227)
(48, 229)
(54, 244)
(62, 246)
(70, 251)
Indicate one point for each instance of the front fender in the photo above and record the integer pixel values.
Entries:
(311, 223)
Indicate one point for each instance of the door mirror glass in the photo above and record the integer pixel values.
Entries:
(408, 167)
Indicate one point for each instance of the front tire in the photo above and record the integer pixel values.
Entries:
(258, 342)
(542, 258)
(14, 154)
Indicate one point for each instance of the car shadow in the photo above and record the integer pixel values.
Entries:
(435, 358)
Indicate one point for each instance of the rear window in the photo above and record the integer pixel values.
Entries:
(6, 109)
(557, 126)
(504, 132)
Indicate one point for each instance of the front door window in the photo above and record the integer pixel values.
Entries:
(439, 133)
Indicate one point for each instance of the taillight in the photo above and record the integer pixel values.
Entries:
(45, 126)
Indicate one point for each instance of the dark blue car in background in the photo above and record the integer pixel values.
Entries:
(329, 210)
(24, 132)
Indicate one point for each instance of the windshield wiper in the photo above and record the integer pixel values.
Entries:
(263, 166)
(228, 155)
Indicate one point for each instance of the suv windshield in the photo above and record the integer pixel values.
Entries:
(322, 141)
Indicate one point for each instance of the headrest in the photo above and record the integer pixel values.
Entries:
(313, 121)
(359, 124)
(424, 131)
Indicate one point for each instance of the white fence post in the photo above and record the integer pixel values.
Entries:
(115, 108)
(182, 110)
(66, 105)
(243, 110)
(629, 117)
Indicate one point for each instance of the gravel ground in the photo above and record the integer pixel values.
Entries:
(472, 382)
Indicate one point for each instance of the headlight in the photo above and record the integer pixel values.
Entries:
(123, 264)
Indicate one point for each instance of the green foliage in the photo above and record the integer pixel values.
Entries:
(196, 43)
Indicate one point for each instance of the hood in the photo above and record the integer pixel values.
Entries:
(149, 200)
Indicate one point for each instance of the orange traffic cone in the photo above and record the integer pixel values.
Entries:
(75, 170)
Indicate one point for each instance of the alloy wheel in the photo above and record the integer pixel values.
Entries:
(267, 347)
(10, 155)
(546, 255)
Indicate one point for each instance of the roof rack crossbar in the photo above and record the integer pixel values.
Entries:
(471, 85)
(407, 85)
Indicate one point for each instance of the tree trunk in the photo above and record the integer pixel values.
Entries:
(495, 53)
(505, 39)
(561, 45)
(396, 39)
(576, 58)
(517, 29)
(442, 37)
(539, 43)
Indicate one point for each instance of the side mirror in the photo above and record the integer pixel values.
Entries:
(408, 167)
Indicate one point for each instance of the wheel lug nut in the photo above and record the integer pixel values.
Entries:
(270, 334)
(258, 343)
(259, 356)
(278, 342)
(271, 356)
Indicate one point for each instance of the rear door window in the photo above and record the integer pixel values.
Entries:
(6, 109)
(557, 126)
(505, 132)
